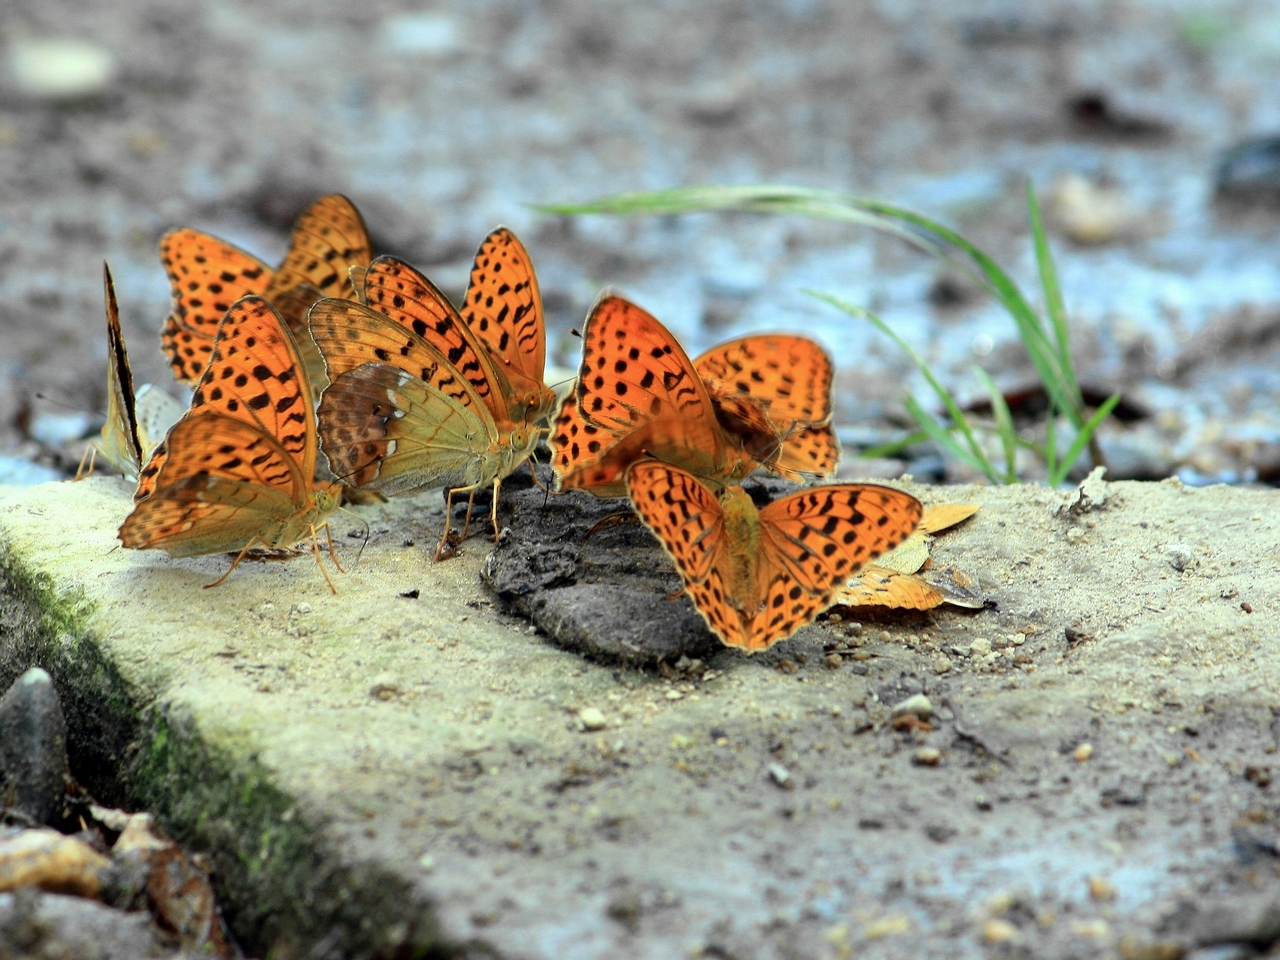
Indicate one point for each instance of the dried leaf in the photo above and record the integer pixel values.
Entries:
(877, 586)
(944, 516)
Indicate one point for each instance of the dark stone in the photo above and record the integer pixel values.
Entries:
(33, 746)
(592, 579)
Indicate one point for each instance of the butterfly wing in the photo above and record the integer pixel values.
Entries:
(774, 391)
(157, 412)
(328, 239)
(119, 442)
(256, 375)
(792, 375)
(387, 430)
(688, 520)
(504, 309)
(586, 457)
(813, 540)
(635, 379)
(224, 483)
(206, 276)
(398, 291)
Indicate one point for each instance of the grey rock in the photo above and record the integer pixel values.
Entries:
(34, 924)
(33, 746)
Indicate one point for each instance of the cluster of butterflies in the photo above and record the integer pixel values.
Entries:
(404, 392)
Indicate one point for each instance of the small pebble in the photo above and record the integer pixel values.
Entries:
(1179, 556)
(833, 660)
(1018, 639)
(861, 655)
(927, 757)
(917, 704)
(1084, 752)
(59, 68)
(980, 647)
(779, 775)
(591, 719)
(1100, 889)
(674, 695)
(999, 931)
(888, 927)
(941, 665)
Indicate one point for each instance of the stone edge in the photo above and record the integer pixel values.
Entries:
(285, 890)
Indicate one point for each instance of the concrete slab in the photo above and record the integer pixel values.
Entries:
(379, 775)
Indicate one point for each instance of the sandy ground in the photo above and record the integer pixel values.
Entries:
(431, 750)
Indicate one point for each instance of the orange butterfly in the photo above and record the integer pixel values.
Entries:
(639, 394)
(207, 276)
(236, 473)
(774, 391)
(759, 574)
(421, 397)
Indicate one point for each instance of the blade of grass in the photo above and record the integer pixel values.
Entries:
(893, 447)
(919, 230)
(976, 457)
(944, 439)
(1084, 437)
(1004, 424)
(1055, 306)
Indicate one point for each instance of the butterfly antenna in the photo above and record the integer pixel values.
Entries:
(364, 542)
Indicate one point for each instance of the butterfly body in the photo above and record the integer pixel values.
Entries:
(759, 574)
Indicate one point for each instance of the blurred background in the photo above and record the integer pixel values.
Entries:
(1144, 126)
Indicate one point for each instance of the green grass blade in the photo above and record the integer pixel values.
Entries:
(943, 438)
(1056, 308)
(894, 447)
(1004, 424)
(958, 419)
(1082, 440)
(916, 229)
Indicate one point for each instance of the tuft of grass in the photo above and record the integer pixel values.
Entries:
(1046, 338)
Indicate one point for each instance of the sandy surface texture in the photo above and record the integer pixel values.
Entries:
(1093, 770)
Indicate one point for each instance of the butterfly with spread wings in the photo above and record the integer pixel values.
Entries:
(757, 402)
(758, 574)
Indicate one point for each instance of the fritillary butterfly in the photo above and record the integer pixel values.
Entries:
(421, 397)
(759, 574)
(136, 423)
(774, 391)
(236, 473)
(639, 394)
(207, 276)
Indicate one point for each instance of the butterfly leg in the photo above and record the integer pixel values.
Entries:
(235, 563)
(333, 553)
(315, 548)
(536, 482)
(91, 455)
(493, 508)
(445, 548)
